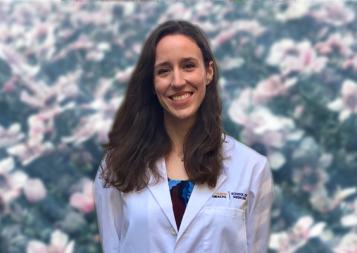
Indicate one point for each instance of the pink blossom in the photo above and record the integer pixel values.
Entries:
(124, 75)
(103, 87)
(349, 95)
(276, 160)
(137, 48)
(128, 8)
(224, 36)
(60, 243)
(12, 186)
(302, 175)
(334, 13)
(347, 103)
(176, 10)
(35, 190)
(17, 180)
(342, 43)
(6, 165)
(101, 17)
(98, 52)
(65, 33)
(31, 100)
(201, 8)
(94, 55)
(348, 244)
(27, 153)
(19, 66)
(259, 124)
(298, 111)
(297, 236)
(84, 200)
(65, 87)
(350, 63)
(39, 125)
(41, 30)
(229, 63)
(93, 125)
(208, 26)
(295, 57)
(97, 124)
(323, 202)
(251, 27)
(38, 128)
(83, 42)
(273, 86)
(35, 246)
(11, 135)
(10, 85)
(39, 95)
(350, 219)
(294, 10)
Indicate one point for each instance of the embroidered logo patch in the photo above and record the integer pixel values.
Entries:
(239, 195)
(220, 195)
(229, 195)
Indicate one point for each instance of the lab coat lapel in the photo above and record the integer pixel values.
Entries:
(161, 193)
(200, 195)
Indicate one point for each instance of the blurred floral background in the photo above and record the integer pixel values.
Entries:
(288, 85)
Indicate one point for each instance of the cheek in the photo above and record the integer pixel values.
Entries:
(160, 92)
(160, 87)
(201, 86)
(199, 81)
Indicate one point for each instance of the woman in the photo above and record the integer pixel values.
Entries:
(171, 181)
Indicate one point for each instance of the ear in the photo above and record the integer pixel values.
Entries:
(209, 73)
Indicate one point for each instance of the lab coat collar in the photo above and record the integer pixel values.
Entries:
(199, 196)
(161, 193)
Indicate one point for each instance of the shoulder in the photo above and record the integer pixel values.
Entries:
(99, 182)
(239, 157)
(233, 147)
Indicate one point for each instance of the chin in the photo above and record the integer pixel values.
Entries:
(182, 116)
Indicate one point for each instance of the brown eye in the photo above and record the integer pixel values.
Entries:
(162, 71)
(189, 65)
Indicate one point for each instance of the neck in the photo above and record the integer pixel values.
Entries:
(177, 130)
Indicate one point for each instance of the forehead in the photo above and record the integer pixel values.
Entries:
(177, 46)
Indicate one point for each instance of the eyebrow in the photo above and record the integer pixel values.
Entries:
(182, 60)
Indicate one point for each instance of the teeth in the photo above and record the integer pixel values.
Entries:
(186, 95)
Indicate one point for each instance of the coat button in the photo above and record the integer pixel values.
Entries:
(172, 231)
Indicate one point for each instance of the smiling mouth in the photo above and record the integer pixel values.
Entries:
(181, 97)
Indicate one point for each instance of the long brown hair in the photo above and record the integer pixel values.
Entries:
(138, 137)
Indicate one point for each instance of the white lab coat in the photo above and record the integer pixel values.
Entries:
(232, 217)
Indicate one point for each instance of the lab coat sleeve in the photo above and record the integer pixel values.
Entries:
(259, 211)
(108, 207)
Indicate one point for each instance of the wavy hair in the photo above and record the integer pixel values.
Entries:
(138, 137)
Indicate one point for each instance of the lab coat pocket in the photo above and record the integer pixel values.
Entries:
(227, 229)
(224, 211)
(127, 247)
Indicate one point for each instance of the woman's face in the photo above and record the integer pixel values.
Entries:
(180, 77)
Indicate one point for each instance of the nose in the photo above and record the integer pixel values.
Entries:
(178, 79)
